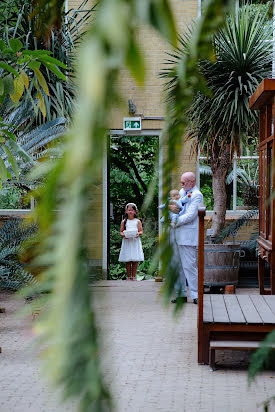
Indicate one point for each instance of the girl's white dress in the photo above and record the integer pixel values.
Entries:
(131, 249)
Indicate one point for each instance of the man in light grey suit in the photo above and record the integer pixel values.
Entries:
(186, 239)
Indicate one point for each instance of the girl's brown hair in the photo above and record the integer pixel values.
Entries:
(126, 216)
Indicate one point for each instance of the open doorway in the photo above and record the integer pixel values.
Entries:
(132, 161)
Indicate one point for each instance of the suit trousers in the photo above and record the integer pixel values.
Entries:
(188, 257)
(180, 284)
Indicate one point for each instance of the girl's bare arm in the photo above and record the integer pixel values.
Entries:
(140, 231)
(122, 228)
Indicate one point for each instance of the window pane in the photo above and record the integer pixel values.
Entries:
(206, 185)
(247, 183)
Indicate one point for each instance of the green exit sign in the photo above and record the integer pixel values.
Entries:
(131, 123)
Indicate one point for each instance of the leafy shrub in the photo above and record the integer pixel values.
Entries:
(117, 271)
(12, 197)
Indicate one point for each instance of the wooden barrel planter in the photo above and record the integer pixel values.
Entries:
(221, 264)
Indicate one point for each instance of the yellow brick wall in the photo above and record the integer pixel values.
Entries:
(148, 100)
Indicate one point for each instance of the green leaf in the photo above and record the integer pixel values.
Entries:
(25, 79)
(20, 151)
(8, 68)
(15, 44)
(18, 90)
(36, 53)
(56, 71)
(52, 60)
(2, 87)
(42, 106)
(8, 84)
(9, 134)
(8, 51)
(3, 170)
(12, 161)
(34, 65)
(2, 45)
(161, 17)
(42, 81)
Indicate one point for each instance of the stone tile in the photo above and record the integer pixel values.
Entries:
(149, 359)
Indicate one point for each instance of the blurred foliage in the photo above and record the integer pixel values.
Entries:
(71, 184)
(69, 323)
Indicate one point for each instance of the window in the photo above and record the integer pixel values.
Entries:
(242, 182)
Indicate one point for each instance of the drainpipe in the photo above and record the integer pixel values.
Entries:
(199, 9)
(273, 47)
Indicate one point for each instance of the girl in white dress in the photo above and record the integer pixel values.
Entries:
(131, 249)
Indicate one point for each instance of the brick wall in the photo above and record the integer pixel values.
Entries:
(148, 100)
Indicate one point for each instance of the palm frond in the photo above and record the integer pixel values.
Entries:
(233, 228)
(12, 235)
(205, 170)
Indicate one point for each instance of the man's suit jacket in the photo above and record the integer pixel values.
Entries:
(187, 227)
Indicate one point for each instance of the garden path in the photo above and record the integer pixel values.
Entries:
(149, 359)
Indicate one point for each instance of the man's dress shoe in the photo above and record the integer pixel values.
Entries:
(179, 299)
(195, 301)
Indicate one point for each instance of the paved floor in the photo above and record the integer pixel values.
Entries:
(149, 359)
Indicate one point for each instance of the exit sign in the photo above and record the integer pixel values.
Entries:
(131, 123)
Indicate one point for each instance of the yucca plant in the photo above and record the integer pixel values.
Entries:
(242, 54)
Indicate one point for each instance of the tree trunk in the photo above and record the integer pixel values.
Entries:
(220, 163)
(219, 192)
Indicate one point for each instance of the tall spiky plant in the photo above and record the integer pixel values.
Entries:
(242, 53)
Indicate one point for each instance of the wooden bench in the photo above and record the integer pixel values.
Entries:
(229, 317)
(232, 345)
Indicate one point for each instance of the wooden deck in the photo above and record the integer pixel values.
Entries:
(236, 318)
(241, 309)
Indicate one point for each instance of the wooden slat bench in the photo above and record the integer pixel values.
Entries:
(238, 318)
(233, 345)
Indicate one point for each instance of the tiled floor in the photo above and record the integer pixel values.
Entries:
(149, 358)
